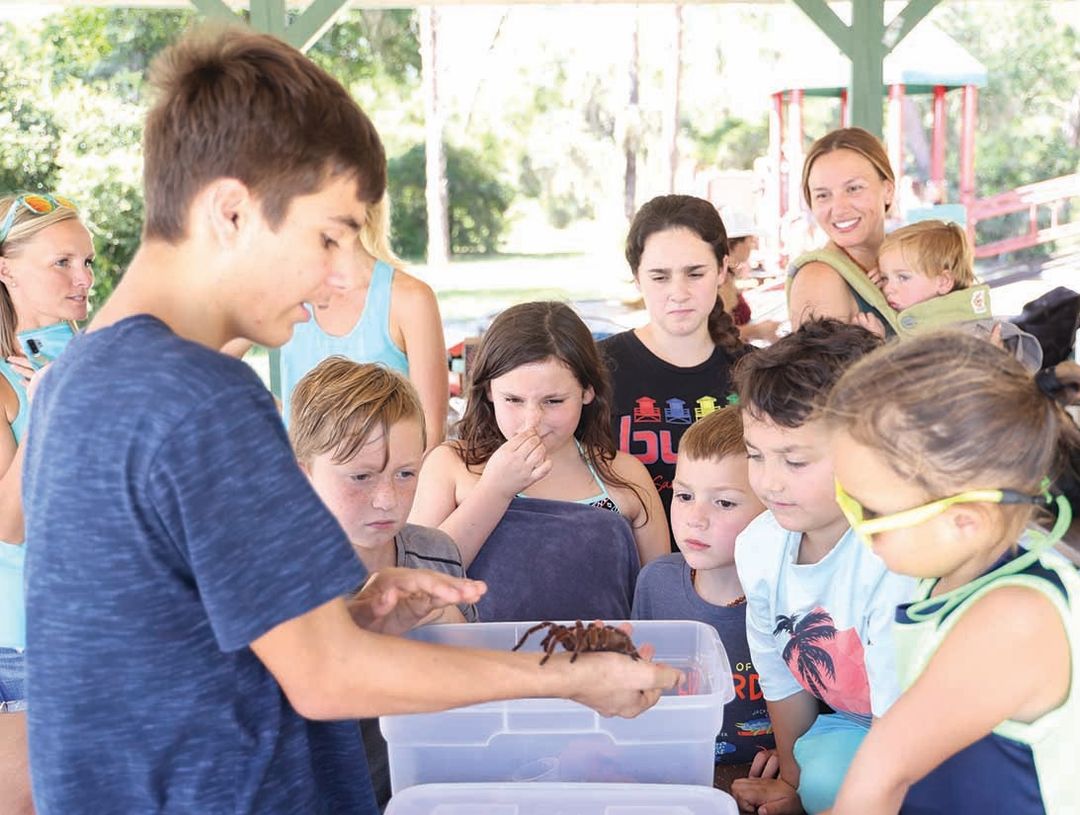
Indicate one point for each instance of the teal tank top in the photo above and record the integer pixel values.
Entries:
(369, 340)
(602, 500)
(13, 557)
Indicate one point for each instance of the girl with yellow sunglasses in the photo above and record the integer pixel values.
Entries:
(942, 448)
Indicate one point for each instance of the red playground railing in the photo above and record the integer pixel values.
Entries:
(1045, 203)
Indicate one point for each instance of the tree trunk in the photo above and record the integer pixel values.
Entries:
(632, 133)
(671, 106)
(438, 243)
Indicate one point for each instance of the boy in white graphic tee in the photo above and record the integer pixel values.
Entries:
(819, 604)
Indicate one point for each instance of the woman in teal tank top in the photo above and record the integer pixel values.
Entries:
(45, 277)
(849, 186)
(390, 317)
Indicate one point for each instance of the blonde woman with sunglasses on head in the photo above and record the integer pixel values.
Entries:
(45, 277)
(942, 475)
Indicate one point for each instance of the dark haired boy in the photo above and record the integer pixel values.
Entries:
(184, 581)
(820, 605)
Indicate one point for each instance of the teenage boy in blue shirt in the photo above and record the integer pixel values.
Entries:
(184, 581)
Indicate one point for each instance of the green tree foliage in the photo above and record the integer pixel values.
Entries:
(478, 202)
(111, 48)
(371, 45)
(733, 144)
(31, 135)
(1029, 112)
(1025, 132)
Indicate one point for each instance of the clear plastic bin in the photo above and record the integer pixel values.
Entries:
(561, 799)
(556, 740)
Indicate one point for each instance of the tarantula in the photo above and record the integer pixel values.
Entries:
(581, 638)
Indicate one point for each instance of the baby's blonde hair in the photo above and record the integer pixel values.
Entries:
(935, 247)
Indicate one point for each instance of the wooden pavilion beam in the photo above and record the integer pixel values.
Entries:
(866, 42)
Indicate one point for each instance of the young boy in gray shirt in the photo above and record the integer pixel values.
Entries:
(711, 504)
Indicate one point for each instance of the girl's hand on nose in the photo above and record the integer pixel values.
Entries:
(520, 462)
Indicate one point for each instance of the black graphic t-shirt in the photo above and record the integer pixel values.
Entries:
(655, 402)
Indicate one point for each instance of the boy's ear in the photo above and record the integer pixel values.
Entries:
(588, 395)
(228, 208)
(944, 283)
(305, 467)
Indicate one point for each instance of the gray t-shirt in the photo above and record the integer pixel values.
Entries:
(421, 547)
(418, 547)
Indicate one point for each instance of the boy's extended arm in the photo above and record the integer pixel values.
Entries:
(971, 685)
(791, 718)
(331, 668)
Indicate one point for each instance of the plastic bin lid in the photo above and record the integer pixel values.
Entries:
(561, 799)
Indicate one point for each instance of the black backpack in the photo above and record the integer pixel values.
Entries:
(1053, 320)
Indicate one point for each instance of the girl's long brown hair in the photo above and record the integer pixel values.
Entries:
(534, 332)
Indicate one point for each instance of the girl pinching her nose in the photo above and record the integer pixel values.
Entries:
(536, 426)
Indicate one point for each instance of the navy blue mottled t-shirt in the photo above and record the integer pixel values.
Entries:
(665, 592)
(168, 527)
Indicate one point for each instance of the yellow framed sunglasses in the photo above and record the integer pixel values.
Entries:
(37, 203)
(866, 528)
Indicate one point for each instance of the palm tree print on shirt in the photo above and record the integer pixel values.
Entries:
(828, 662)
(811, 660)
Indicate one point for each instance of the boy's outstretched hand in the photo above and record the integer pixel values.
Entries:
(396, 600)
(613, 684)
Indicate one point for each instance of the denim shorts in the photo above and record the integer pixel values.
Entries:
(12, 680)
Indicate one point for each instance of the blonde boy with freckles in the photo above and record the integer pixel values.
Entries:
(711, 504)
(359, 436)
(820, 605)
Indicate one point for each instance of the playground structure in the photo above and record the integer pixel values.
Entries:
(905, 73)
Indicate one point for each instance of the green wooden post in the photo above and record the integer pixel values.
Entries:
(271, 17)
(312, 24)
(867, 55)
(866, 42)
(215, 9)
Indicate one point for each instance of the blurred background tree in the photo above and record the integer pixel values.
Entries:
(535, 148)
